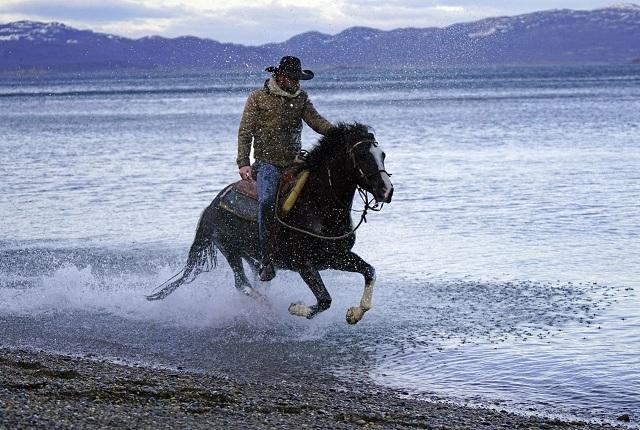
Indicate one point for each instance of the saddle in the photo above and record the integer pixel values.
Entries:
(241, 197)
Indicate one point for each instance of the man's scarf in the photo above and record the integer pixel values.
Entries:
(275, 89)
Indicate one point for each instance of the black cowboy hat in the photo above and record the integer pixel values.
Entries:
(291, 67)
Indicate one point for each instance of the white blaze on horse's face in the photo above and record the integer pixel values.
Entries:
(384, 190)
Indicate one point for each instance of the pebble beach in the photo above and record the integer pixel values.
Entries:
(47, 391)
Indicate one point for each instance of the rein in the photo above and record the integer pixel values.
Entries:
(364, 195)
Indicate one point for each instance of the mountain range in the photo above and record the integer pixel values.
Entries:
(602, 36)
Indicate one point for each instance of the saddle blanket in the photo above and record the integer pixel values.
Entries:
(241, 198)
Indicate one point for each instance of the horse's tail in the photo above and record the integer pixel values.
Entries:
(202, 258)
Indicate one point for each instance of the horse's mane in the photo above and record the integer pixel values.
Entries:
(335, 142)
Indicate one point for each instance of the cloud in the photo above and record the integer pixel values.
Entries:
(280, 20)
(85, 11)
(252, 25)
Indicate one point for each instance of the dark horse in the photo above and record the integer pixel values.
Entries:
(316, 234)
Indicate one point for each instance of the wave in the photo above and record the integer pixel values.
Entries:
(94, 281)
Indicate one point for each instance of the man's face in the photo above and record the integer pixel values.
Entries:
(287, 83)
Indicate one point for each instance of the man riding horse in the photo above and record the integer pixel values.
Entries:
(272, 121)
(314, 227)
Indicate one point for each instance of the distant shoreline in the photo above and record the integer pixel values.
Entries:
(38, 72)
(43, 390)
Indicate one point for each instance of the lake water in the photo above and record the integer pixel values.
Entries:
(508, 262)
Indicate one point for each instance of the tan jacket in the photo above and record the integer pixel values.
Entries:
(272, 119)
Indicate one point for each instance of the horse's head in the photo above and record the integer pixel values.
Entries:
(367, 159)
(352, 150)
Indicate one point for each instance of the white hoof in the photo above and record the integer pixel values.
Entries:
(299, 309)
(256, 295)
(355, 314)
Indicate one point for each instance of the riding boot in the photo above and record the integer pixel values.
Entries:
(267, 271)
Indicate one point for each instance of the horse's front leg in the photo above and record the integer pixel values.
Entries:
(311, 276)
(351, 262)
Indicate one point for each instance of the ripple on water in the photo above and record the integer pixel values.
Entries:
(548, 346)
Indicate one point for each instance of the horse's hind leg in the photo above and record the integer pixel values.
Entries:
(240, 278)
(351, 262)
(254, 265)
(311, 276)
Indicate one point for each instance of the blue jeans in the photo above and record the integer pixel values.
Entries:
(268, 181)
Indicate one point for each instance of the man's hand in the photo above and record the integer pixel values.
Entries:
(245, 173)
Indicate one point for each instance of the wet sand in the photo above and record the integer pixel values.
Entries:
(42, 390)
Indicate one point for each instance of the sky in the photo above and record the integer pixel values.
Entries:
(264, 21)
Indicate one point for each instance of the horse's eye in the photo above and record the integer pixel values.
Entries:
(384, 155)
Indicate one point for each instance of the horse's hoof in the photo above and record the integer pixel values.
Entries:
(255, 295)
(354, 314)
(300, 310)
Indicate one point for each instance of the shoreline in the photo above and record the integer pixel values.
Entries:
(44, 390)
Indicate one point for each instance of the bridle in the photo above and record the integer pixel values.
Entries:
(364, 195)
(356, 166)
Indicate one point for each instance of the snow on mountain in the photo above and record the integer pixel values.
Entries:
(620, 15)
(623, 6)
(35, 31)
(46, 32)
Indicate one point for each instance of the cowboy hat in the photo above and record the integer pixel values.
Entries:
(291, 67)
